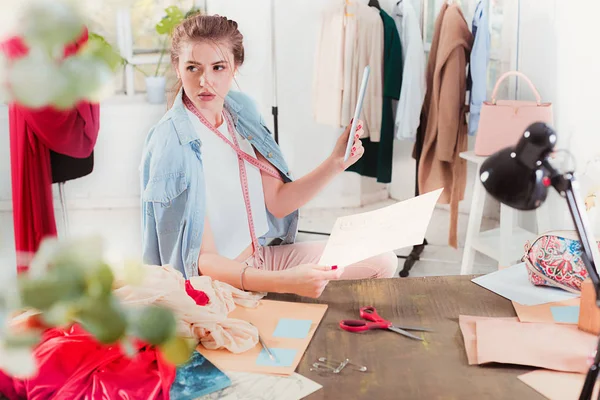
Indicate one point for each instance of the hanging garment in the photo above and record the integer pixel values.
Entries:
(72, 365)
(408, 111)
(33, 134)
(345, 45)
(376, 161)
(480, 56)
(443, 122)
(166, 287)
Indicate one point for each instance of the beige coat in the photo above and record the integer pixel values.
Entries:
(443, 118)
(345, 45)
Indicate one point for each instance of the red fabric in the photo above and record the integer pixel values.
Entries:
(73, 365)
(32, 134)
(199, 296)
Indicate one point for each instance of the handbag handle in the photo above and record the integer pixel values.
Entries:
(538, 98)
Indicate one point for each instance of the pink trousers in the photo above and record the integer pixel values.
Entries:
(277, 258)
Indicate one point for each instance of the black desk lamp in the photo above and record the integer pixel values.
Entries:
(520, 176)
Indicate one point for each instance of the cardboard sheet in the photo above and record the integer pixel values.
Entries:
(553, 346)
(357, 237)
(266, 318)
(513, 283)
(557, 385)
(542, 313)
(467, 327)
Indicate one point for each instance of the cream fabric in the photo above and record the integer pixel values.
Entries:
(165, 286)
(345, 45)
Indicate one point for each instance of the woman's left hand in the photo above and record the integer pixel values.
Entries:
(337, 156)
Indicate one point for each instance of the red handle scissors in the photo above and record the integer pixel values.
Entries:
(375, 321)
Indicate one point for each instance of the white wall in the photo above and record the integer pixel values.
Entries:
(559, 53)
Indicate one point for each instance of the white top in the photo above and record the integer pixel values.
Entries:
(226, 210)
(408, 111)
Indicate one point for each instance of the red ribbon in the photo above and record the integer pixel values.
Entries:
(199, 296)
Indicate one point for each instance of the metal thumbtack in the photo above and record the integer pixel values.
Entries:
(360, 368)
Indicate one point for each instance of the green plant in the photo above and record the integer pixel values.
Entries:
(173, 17)
(70, 282)
(98, 45)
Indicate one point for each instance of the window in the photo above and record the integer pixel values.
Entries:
(501, 33)
(129, 25)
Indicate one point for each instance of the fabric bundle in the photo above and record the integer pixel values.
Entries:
(164, 286)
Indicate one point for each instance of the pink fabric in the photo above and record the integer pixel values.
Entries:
(277, 258)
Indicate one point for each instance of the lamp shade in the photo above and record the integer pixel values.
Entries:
(517, 176)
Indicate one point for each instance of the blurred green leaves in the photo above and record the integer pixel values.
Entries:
(45, 77)
(154, 325)
(70, 282)
(51, 25)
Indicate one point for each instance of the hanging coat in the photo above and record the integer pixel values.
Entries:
(33, 134)
(443, 119)
(345, 45)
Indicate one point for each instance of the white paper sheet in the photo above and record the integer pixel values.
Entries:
(513, 284)
(246, 385)
(357, 237)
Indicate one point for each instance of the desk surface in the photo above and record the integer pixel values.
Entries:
(404, 368)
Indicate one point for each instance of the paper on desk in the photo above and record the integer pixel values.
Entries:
(542, 312)
(513, 284)
(467, 325)
(246, 385)
(552, 346)
(266, 317)
(557, 385)
(357, 237)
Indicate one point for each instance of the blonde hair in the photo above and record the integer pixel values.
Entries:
(213, 28)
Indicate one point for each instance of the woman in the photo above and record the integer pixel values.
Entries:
(216, 191)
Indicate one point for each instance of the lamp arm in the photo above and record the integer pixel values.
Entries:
(568, 187)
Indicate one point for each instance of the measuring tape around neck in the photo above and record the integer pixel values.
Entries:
(241, 156)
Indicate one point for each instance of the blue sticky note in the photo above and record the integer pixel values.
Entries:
(565, 314)
(292, 328)
(283, 358)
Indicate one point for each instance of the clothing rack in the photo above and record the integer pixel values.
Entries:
(415, 254)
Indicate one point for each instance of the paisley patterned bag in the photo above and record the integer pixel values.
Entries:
(554, 259)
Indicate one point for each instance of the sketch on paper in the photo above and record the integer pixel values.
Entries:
(250, 386)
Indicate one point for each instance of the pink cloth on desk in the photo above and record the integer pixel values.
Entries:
(503, 340)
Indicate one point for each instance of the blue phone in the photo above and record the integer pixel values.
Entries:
(357, 111)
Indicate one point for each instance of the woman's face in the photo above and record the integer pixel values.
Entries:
(206, 71)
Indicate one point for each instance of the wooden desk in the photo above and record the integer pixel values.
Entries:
(402, 368)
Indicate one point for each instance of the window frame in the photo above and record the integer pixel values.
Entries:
(125, 45)
(504, 55)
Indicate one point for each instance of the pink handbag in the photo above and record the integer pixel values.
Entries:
(502, 122)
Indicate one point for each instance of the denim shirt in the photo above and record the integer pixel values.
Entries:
(173, 185)
(480, 55)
